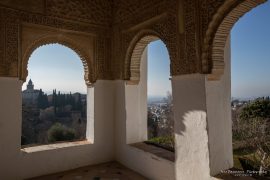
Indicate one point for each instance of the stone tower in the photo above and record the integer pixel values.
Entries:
(30, 85)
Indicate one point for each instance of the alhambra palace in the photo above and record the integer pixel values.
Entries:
(111, 37)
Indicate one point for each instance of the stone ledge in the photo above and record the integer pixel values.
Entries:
(48, 147)
(159, 152)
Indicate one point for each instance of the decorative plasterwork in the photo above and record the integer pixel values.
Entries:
(10, 22)
(2, 46)
(35, 6)
(131, 19)
(15, 16)
(102, 58)
(35, 37)
(189, 39)
(130, 12)
(135, 19)
(90, 11)
(93, 17)
(217, 33)
(9, 33)
(196, 48)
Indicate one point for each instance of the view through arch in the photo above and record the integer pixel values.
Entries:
(160, 119)
(53, 97)
(250, 90)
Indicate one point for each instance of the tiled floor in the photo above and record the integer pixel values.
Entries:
(113, 171)
(106, 171)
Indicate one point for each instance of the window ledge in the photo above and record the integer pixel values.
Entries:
(48, 147)
(159, 152)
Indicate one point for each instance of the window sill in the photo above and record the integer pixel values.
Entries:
(49, 147)
(159, 152)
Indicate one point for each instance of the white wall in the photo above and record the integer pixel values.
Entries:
(191, 138)
(90, 126)
(145, 163)
(136, 106)
(16, 164)
(218, 100)
(10, 127)
(203, 125)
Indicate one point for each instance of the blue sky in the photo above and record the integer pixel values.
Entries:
(158, 83)
(250, 48)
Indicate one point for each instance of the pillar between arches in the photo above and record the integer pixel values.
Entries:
(203, 126)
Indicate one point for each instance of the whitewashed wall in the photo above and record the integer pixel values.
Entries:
(218, 101)
(17, 164)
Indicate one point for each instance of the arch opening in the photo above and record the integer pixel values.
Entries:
(222, 105)
(149, 115)
(55, 111)
(250, 91)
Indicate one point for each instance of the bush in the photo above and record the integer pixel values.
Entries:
(59, 132)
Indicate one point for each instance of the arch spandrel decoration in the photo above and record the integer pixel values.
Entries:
(217, 34)
(39, 38)
(135, 51)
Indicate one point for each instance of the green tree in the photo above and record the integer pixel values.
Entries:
(54, 100)
(78, 103)
(42, 100)
(254, 129)
(59, 132)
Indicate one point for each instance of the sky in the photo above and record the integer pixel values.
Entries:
(250, 68)
(250, 54)
(158, 83)
(56, 67)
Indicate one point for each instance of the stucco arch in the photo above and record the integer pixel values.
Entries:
(135, 51)
(218, 32)
(56, 39)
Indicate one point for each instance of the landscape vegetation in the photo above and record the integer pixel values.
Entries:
(54, 118)
(251, 135)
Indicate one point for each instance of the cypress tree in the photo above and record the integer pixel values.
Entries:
(40, 99)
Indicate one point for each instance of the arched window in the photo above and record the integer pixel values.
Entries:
(54, 97)
(148, 95)
(159, 97)
(232, 85)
